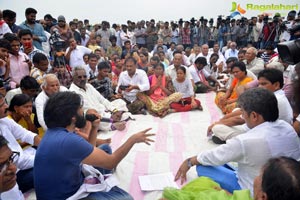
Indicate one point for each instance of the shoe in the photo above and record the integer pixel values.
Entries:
(217, 140)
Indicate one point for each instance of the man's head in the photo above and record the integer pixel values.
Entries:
(51, 84)
(250, 54)
(177, 58)
(197, 50)
(154, 61)
(130, 65)
(241, 55)
(279, 179)
(233, 45)
(30, 14)
(214, 58)
(200, 63)
(48, 19)
(205, 49)
(216, 48)
(7, 168)
(9, 17)
(4, 48)
(14, 42)
(79, 76)
(61, 21)
(63, 109)
(29, 86)
(270, 79)
(26, 40)
(258, 105)
(103, 69)
(92, 60)
(40, 61)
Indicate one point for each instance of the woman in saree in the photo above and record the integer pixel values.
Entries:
(227, 101)
(161, 93)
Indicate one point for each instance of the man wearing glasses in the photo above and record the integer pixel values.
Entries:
(13, 132)
(7, 167)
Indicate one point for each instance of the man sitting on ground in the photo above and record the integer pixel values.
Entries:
(232, 124)
(94, 100)
(131, 82)
(268, 137)
(70, 155)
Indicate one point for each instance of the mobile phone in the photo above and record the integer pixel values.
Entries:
(123, 87)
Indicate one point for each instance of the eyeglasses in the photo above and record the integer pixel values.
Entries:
(81, 77)
(11, 159)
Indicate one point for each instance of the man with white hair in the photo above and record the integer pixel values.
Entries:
(232, 52)
(50, 86)
(92, 99)
(253, 63)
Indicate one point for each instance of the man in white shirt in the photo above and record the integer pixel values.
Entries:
(92, 99)
(131, 82)
(253, 63)
(177, 62)
(232, 52)
(270, 79)
(200, 76)
(267, 138)
(50, 86)
(205, 52)
(74, 53)
(13, 132)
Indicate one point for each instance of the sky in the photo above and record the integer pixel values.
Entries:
(119, 11)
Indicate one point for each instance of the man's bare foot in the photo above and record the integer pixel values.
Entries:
(120, 126)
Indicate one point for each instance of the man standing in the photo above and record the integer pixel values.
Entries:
(36, 29)
(268, 137)
(75, 53)
(131, 82)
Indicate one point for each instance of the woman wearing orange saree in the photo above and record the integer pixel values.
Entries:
(227, 101)
(161, 93)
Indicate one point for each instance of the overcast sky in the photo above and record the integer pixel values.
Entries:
(119, 11)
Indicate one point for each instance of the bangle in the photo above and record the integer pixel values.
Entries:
(189, 162)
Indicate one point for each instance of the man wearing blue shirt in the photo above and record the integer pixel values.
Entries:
(36, 28)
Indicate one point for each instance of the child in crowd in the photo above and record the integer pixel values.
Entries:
(41, 63)
(63, 75)
(184, 86)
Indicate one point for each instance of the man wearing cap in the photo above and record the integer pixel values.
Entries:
(37, 29)
(62, 29)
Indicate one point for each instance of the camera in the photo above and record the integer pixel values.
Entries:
(289, 51)
(180, 22)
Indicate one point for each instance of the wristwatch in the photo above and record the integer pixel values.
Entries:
(189, 162)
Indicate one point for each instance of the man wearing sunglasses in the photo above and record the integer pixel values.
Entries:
(7, 168)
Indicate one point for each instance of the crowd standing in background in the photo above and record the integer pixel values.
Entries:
(119, 70)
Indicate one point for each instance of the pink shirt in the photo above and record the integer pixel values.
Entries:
(18, 68)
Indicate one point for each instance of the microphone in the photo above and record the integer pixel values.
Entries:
(92, 117)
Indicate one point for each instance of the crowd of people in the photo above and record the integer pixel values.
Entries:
(61, 83)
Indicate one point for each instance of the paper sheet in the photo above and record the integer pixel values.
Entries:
(157, 181)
